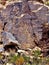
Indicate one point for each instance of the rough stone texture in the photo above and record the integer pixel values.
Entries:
(23, 20)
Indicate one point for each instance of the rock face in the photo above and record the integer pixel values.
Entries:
(24, 21)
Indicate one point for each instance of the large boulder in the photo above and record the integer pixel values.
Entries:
(24, 22)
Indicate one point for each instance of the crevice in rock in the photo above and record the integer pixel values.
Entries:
(4, 25)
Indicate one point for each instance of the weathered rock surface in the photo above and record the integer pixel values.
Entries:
(24, 21)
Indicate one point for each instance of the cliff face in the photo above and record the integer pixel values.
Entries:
(24, 21)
